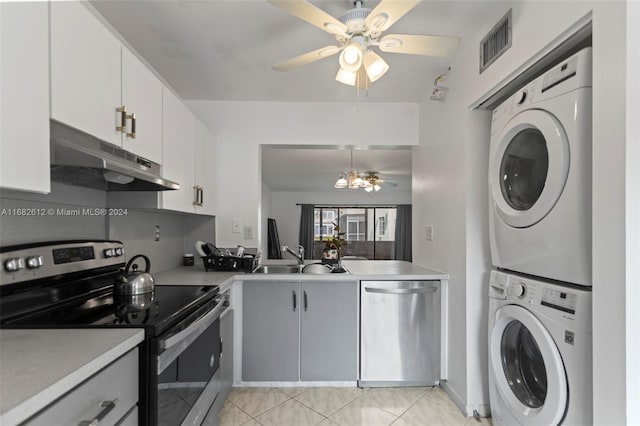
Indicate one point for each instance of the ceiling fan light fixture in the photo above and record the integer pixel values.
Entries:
(341, 182)
(358, 182)
(351, 57)
(346, 77)
(368, 188)
(375, 66)
(376, 187)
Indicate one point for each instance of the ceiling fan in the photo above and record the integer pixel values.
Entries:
(358, 31)
(374, 183)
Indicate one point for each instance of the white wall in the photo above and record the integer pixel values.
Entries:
(633, 212)
(287, 213)
(242, 127)
(447, 186)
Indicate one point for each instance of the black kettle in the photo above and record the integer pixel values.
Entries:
(133, 281)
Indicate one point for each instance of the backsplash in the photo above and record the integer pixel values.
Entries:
(71, 212)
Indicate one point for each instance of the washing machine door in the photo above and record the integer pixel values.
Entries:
(528, 167)
(527, 367)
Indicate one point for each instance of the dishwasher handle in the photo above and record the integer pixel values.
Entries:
(418, 290)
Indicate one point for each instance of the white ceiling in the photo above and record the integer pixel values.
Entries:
(317, 169)
(224, 49)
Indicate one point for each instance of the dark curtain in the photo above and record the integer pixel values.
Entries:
(402, 247)
(273, 241)
(306, 229)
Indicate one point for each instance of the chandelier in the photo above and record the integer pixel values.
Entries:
(352, 179)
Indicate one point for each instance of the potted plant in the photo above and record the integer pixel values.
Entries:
(333, 245)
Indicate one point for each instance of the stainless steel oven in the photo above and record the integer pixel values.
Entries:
(187, 359)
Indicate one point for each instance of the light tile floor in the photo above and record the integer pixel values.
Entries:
(342, 407)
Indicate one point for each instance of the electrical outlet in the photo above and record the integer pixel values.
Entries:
(429, 232)
(248, 232)
(157, 233)
(236, 224)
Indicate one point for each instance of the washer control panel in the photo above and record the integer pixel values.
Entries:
(562, 300)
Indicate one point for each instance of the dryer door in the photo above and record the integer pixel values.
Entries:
(527, 367)
(528, 167)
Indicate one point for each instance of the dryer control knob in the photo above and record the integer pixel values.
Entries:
(519, 290)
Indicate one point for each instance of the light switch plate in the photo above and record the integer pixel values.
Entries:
(248, 232)
(236, 224)
(429, 232)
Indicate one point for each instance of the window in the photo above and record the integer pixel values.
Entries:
(368, 231)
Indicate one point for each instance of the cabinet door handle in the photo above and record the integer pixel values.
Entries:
(132, 134)
(196, 194)
(295, 301)
(401, 290)
(107, 406)
(123, 119)
(306, 304)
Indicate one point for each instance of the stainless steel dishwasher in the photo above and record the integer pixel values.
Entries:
(399, 333)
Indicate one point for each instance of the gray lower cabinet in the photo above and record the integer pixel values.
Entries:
(109, 398)
(328, 331)
(299, 331)
(270, 312)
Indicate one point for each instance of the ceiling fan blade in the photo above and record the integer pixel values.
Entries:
(426, 45)
(307, 58)
(311, 14)
(387, 12)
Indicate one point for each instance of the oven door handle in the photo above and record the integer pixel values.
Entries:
(196, 328)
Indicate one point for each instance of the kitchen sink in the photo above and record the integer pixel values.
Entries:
(278, 269)
(312, 268)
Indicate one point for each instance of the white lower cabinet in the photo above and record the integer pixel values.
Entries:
(299, 331)
(107, 398)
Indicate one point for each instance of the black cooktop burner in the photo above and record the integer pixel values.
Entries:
(155, 311)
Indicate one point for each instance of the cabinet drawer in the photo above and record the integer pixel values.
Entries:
(117, 382)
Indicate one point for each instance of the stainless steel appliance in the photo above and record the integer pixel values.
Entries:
(71, 285)
(80, 159)
(399, 333)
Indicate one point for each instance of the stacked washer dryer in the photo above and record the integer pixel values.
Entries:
(540, 346)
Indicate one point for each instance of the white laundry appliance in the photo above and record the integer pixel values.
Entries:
(540, 175)
(540, 352)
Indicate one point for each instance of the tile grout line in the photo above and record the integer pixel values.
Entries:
(232, 403)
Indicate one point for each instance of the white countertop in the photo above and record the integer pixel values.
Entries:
(39, 366)
(360, 270)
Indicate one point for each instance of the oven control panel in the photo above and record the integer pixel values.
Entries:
(31, 262)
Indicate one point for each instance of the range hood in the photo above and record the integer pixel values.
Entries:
(80, 159)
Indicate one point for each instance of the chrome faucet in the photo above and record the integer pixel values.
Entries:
(299, 255)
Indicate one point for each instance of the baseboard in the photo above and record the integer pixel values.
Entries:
(484, 410)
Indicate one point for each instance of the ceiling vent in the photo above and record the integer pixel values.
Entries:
(498, 41)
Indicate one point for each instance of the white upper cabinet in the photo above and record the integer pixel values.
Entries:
(94, 77)
(142, 95)
(206, 178)
(178, 151)
(24, 100)
(85, 72)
